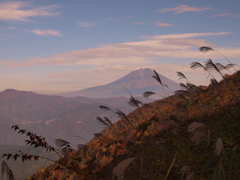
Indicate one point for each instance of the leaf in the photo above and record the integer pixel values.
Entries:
(35, 158)
(213, 81)
(195, 65)
(104, 108)
(194, 126)
(156, 76)
(4, 155)
(185, 170)
(205, 49)
(220, 66)
(181, 75)
(183, 86)
(219, 146)
(181, 91)
(228, 66)
(148, 93)
(209, 65)
(22, 131)
(123, 116)
(61, 143)
(9, 156)
(134, 102)
(102, 121)
(120, 169)
(198, 137)
(15, 157)
(15, 127)
(108, 121)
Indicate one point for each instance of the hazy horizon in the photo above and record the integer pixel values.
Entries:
(56, 46)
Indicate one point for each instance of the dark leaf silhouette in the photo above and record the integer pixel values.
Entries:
(205, 49)
(102, 121)
(181, 75)
(104, 108)
(35, 158)
(220, 66)
(190, 85)
(122, 115)
(22, 131)
(108, 121)
(228, 66)
(156, 76)
(134, 102)
(213, 81)
(61, 143)
(182, 85)
(9, 156)
(211, 66)
(15, 157)
(148, 94)
(195, 65)
(15, 127)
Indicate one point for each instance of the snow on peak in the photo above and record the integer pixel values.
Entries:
(142, 68)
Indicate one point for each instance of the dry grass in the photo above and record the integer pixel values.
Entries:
(120, 169)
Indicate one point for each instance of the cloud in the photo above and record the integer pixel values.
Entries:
(86, 24)
(226, 15)
(46, 32)
(111, 19)
(135, 23)
(129, 17)
(183, 9)
(23, 11)
(133, 53)
(188, 35)
(160, 24)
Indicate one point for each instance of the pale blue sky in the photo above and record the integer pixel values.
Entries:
(52, 46)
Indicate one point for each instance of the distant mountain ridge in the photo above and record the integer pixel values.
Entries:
(137, 82)
(45, 113)
(53, 116)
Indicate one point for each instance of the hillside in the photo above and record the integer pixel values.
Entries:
(40, 113)
(137, 82)
(194, 133)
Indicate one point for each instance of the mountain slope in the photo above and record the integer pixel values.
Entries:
(137, 82)
(193, 134)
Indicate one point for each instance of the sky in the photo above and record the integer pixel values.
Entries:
(54, 46)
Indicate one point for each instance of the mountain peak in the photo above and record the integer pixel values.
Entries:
(137, 82)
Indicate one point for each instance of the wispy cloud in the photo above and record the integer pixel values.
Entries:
(86, 24)
(136, 23)
(226, 15)
(161, 24)
(138, 52)
(111, 19)
(129, 17)
(46, 32)
(183, 9)
(23, 11)
(188, 35)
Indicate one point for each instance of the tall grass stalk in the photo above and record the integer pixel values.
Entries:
(171, 166)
